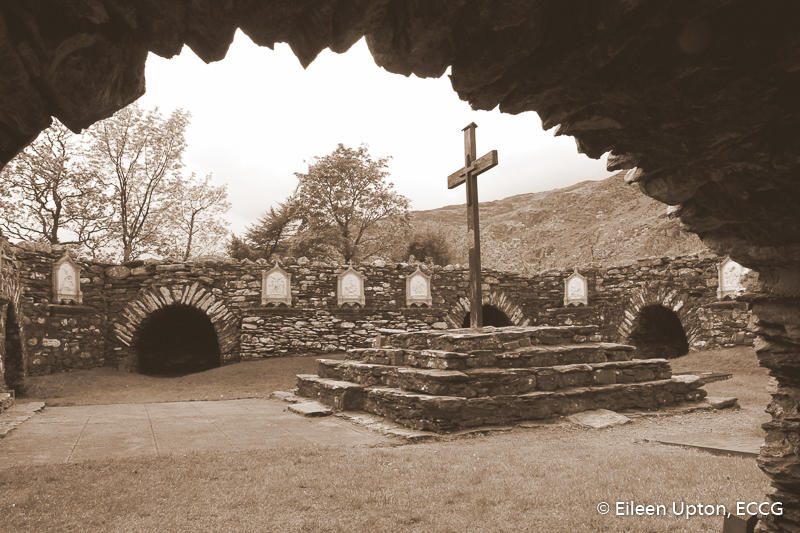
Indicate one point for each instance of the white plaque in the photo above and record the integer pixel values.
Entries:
(351, 287)
(276, 287)
(67, 281)
(418, 289)
(730, 278)
(575, 290)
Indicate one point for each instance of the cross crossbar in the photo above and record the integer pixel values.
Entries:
(481, 165)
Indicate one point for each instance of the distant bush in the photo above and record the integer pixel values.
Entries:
(238, 249)
(429, 245)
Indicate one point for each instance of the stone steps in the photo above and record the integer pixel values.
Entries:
(495, 339)
(443, 413)
(493, 381)
(340, 395)
(448, 380)
(438, 413)
(519, 357)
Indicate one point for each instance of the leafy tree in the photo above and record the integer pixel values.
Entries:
(429, 244)
(345, 204)
(48, 193)
(272, 231)
(140, 154)
(194, 226)
(237, 249)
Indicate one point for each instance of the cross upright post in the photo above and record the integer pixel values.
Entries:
(469, 175)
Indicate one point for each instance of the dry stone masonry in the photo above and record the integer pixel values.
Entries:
(301, 307)
(13, 357)
(440, 381)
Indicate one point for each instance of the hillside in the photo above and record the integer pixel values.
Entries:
(603, 222)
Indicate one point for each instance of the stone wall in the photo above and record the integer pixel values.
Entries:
(63, 337)
(313, 324)
(686, 285)
(13, 358)
(102, 331)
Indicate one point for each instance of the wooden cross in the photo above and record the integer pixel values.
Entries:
(469, 175)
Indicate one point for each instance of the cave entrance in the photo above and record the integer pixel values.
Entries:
(14, 367)
(658, 333)
(177, 340)
(492, 316)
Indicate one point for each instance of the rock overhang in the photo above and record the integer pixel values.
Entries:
(700, 96)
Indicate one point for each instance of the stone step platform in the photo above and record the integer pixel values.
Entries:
(340, 395)
(519, 357)
(493, 381)
(446, 380)
(497, 340)
(444, 413)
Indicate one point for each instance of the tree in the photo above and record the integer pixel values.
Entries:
(140, 154)
(428, 244)
(194, 226)
(48, 193)
(237, 249)
(346, 206)
(272, 231)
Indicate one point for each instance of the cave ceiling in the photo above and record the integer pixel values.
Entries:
(699, 101)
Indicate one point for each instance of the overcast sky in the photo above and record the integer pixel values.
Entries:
(258, 117)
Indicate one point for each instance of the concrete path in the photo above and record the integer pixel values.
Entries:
(718, 444)
(73, 434)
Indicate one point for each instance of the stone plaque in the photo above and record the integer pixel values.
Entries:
(576, 290)
(730, 278)
(67, 281)
(351, 287)
(418, 289)
(276, 287)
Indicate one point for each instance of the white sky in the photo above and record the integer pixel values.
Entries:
(257, 116)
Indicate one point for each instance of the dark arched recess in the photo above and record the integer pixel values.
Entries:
(175, 340)
(658, 333)
(492, 316)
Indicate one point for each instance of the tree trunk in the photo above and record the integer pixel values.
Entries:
(189, 239)
(188, 250)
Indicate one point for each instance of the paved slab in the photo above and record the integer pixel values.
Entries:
(718, 444)
(310, 409)
(599, 419)
(721, 402)
(708, 377)
(74, 434)
(16, 415)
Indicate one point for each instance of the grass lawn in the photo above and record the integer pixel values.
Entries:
(251, 379)
(748, 384)
(545, 479)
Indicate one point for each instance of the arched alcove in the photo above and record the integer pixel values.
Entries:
(177, 339)
(681, 305)
(492, 316)
(657, 333)
(130, 323)
(14, 368)
(510, 313)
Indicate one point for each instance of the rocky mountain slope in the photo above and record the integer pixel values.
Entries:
(594, 222)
